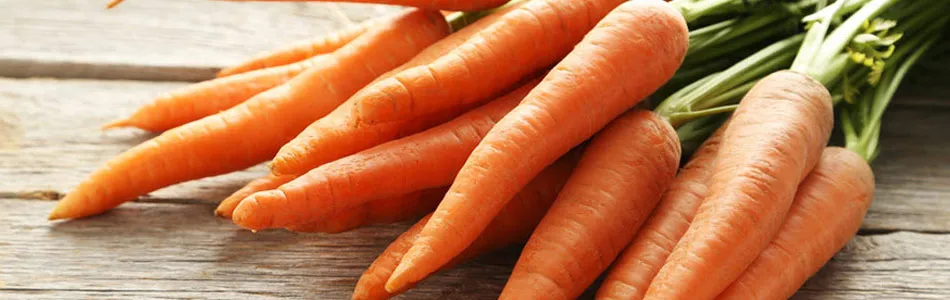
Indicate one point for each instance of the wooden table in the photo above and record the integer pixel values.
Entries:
(101, 65)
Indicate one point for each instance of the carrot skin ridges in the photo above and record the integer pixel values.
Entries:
(206, 98)
(382, 211)
(268, 182)
(252, 132)
(774, 139)
(613, 189)
(524, 40)
(632, 272)
(512, 225)
(555, 116)
(334, 136)
(299, 51)
(827, 212)
(464, 5)
(425, 160)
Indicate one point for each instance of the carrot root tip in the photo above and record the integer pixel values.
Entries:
(57, 214)
(117, 124)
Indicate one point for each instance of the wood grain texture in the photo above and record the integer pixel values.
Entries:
(179, 251)
(155, 39)
(53, 142)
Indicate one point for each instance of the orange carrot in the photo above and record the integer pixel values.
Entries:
(203, 99)
(827, 212)
(253, 131)
(333, 137)
(385, 211)
(615, 186)
(299, 50)
(512, 225)
(625, 58)
(634, 269)
(773, 140)
(465, 5)
(425, 160)
(522, 41)
(269, 182)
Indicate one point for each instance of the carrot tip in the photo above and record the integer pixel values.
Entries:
(249, 215)
(225, 72)
(278, 167)
(222, 213)
(113, 3)
(396, 281)
(117, 124)
(56, 214)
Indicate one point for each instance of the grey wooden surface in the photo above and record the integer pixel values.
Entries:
(168, 245)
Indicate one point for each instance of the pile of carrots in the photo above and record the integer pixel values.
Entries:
(524, 123)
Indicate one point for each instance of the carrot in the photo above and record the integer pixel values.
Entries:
(512, 225)
(774, 139)
(615, 186)
(466, 5)
(385, 211)
(269, 182)
(253, 131)
(334, 137)
(634, 269)
(425, 160)
(827, 212)
(299, 50)
(627, 57)
(203, 99)
(522, 41)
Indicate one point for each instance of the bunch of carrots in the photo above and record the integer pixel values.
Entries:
(525, 123)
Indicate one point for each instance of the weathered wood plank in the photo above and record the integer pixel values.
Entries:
(901, 265)
(53, 141)
(155, 39)
(180, 251)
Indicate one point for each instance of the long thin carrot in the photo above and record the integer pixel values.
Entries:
(773, 140)
(203, 99)
(334, 137)
(522, 41)
(625, 58)
(464, 5)
(633, 271)
(428, 159)
(299, 50)
(613, 189)
(268, 182)
(253, 131)
(827, 212)
(512, 225)
(384, 211)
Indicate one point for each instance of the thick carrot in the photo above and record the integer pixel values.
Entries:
(334, 137)
(634, 269)
(773, 140)
(827, 212)
(625, 58)
(299, 50)
(522, 41)
(428, 159)
(613, 189)
(253, 131)
(203, 99)
(465, 5)
(512, 225)
(383, 211)
(269, 182)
